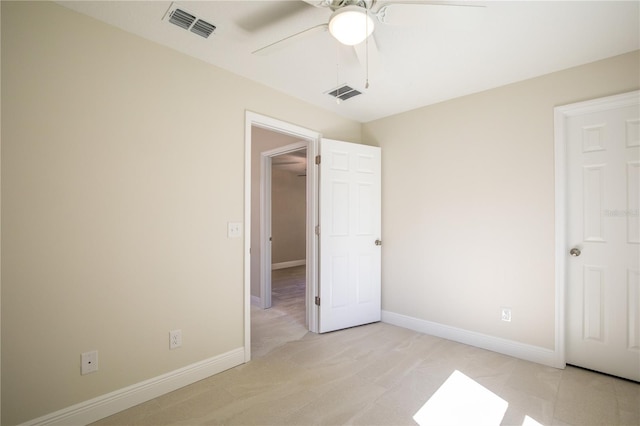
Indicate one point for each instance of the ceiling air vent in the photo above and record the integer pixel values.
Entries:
(189, 21)
(344, 92)
(181, 18)
(203, 28)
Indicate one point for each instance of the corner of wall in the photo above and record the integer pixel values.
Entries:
(496, 344)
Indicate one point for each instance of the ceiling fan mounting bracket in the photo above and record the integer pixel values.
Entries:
(339, 4)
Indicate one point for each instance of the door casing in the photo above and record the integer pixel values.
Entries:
(313, 138)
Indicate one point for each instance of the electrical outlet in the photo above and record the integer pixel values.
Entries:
(175, 339)
(505, 314)
(88, 362)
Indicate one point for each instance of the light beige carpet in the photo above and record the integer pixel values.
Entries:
(377, 374)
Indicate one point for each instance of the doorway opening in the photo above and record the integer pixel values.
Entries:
(344, 234)
(270, 142)
(283, 245)
(282, 210)
(285, 212)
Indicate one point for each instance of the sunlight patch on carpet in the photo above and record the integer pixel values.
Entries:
(528, 421)
(462, 401)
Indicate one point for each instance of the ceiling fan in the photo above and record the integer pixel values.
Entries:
(353, 21)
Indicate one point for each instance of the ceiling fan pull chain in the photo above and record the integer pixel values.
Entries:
(366, 46)
(338, 73)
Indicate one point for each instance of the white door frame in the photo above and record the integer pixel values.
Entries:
(258, 120)
(266, 158)
(561, 115)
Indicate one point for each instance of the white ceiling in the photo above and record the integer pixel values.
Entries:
(417, 65)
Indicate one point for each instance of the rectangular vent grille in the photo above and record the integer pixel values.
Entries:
(344, 92)
(189, 21)
(181, 18)
(203, 28)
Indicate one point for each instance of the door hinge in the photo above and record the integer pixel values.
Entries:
(317, 229)
(318, 300)
(317, 159)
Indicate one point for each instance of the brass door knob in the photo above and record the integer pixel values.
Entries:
(575, 252)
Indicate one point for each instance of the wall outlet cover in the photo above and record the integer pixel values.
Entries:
(175, 339)
(88, 362)
(505, 314)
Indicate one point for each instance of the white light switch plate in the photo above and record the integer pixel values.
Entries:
(234, 229)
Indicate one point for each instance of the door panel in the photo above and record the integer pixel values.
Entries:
(350, 203)
(603, 322)
(633, 204)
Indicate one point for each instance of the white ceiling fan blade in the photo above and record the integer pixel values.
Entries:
(373, 62)
(451, 16)
(288, 41)
(268, 14)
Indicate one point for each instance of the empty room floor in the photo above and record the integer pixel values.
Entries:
(379, 374)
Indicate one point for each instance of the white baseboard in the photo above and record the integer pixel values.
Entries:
(289, 264)
(103, 406)
(496, 344)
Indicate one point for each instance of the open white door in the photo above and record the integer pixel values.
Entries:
(350, 233)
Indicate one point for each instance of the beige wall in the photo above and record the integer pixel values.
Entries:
(121, 167)
(468, 202)
(289, 214)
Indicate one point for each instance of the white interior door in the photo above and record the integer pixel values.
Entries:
(603, 233)
(350, 233)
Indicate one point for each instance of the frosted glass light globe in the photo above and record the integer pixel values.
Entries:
(351, 25)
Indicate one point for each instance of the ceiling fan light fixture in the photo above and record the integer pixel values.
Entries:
(351, 25)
